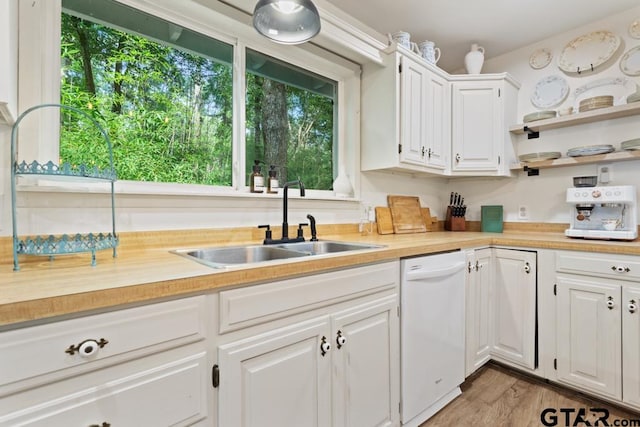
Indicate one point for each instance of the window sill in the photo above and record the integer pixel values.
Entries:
(135, 188)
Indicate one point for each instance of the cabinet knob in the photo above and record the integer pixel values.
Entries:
(105, 424)
(457, 158)
(610, 303)
(324, 346)
(620, 268)
(478, 265)
(469, 267)
(429, 153)
(340, 340)
(527, 268)
(87, 348)
(632, 307)
(422, 151)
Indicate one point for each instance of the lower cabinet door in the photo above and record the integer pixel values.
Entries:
(279, 378)
(366, 357)
(478, 309)
(145, 392)
(631, 345)
(514, 306)
(589, 334)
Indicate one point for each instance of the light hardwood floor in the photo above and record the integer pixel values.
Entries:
(496, 396)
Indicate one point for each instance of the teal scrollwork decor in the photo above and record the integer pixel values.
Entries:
(65, 244)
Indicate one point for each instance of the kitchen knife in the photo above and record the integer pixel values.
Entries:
(451, 199)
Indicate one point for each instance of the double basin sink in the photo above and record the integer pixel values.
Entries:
(229, 256)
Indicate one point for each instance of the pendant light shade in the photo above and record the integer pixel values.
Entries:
(287, 21)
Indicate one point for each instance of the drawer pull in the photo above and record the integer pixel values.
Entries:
(620, 269)
(87, 348)
(610, 303)
(632, 306)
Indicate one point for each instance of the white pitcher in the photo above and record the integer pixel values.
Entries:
(400, 37)
(428, 51)
(474, 59)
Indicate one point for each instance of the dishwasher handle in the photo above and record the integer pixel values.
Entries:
(427, 273)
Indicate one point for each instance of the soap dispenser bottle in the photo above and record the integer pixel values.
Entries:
(256, 180)
(272, 182)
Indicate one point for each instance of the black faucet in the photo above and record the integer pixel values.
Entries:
(285, 223)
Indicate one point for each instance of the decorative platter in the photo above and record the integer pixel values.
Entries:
(540, 58)
(539, 115)
(537, 157)
(634, 29)
(630, 62)
(590, 150)
(549, 92)
(589, 51)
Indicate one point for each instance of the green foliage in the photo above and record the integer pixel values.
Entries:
(169, 112)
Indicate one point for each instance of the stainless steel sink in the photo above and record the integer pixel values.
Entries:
(229, 256)
(238, 255)
(326, 247)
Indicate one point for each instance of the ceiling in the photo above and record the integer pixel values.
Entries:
(499, 26)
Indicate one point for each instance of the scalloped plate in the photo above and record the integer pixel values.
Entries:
(588, 51)
(550, 91)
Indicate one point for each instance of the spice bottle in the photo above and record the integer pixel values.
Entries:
(256, 180)
(272, 182)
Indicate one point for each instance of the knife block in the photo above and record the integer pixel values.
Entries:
(454, 223)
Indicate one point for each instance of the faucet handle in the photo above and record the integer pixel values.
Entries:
(267, 233)
(314, 237)
(300, 233)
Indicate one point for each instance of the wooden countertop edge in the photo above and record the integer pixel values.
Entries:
(201, 279)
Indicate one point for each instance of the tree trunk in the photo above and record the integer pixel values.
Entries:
(275, 126)
(116, 105)
(85, 53)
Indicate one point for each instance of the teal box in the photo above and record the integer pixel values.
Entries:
(491, 218)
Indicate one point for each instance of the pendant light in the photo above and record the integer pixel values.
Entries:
(287, 21)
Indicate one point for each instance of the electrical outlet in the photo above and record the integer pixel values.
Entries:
(604, 174)
(523, 212)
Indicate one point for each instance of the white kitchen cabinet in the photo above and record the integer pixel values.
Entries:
(314, 351)
(478, 309)
(501, 308)
(482, 108)
(139, 366)
(631, 345)
(8, 61)
(589, 334)
(514, 307)
(405, 115)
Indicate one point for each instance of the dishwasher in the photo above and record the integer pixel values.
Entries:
(431, 333)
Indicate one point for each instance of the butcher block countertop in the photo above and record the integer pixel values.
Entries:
(145, 271)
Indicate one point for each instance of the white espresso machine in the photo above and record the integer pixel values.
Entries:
(603, 212)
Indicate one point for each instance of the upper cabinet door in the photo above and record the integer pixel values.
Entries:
(476, 135)
(8, 61)
(413, 111)
(438, 133)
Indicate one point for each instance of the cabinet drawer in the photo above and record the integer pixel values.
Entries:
(88, 342)
(623, 267)
(249, 306)
(153, 391)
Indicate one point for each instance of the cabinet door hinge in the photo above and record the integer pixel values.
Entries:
(215, 376)
(399, 148)
(555, 289)
(400, 407)
(398, 311)
(499, 159)
(555, 364)
(499, 93)
(399, 68)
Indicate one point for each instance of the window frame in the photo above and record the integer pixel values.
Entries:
(39, 38)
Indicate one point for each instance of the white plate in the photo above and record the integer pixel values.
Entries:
(536, 157)
(587, 52)
(549, 92)
(590, 150)
(540, 58)
(630, 62)
(618, 87)
(634, 29)
(539, 115)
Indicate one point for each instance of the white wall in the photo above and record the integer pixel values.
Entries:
(544, 195)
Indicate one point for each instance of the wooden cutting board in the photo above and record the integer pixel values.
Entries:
(426, 217)
(383, 220)
(406, 214)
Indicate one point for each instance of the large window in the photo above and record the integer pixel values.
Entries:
(165, 95)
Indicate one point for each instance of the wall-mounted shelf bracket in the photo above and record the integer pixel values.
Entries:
(531, 171)
(531, 134)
